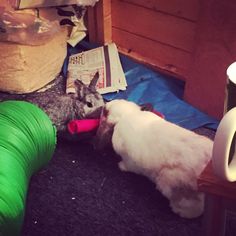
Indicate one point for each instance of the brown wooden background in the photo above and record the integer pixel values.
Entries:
(194, 40)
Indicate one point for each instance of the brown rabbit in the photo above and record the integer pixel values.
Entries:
(61, 107)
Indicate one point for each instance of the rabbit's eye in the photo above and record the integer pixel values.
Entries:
(89, 104)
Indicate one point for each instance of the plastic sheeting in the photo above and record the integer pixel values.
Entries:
(163, 92)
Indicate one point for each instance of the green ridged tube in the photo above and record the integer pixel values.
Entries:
(27, 143)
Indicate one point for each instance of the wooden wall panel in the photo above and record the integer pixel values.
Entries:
(215, 51)
(167, 35)
(162, 57)
(163, 28)
(181, 8)
(193, 39)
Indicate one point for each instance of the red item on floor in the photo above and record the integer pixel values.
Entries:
(80, 126)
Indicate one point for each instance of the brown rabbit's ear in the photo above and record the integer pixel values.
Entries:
(94, 81)
(80, 89)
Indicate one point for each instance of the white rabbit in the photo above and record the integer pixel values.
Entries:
(169, 155)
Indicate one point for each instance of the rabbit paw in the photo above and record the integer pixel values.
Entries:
(188, 208)
(122, 166)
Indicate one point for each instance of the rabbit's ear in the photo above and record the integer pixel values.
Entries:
(80, 89)
(94, 81)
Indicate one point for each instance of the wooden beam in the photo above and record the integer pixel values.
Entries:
(100, 22)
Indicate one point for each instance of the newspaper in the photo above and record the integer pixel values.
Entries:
(104, 60)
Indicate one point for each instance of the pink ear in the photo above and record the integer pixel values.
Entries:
(80, 126)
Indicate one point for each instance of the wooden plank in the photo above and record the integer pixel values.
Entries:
(161, 56)
(214, 216)
(154, 25)
(208, 182)
(215, 51)
(92, 25)
(99, 22)
(180, 8)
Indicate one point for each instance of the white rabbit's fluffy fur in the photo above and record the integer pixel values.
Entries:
(169, 155)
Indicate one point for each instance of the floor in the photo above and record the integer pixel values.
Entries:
(82, 192)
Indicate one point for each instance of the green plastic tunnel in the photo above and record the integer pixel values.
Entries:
(27, 143)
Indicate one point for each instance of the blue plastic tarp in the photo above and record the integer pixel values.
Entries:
(163, 92)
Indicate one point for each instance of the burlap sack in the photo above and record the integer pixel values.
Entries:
(25, 68)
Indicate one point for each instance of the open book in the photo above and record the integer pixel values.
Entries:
(105, 60)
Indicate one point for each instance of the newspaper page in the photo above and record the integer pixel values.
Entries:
(104, 60)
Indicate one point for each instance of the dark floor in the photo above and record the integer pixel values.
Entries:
(82, 192)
